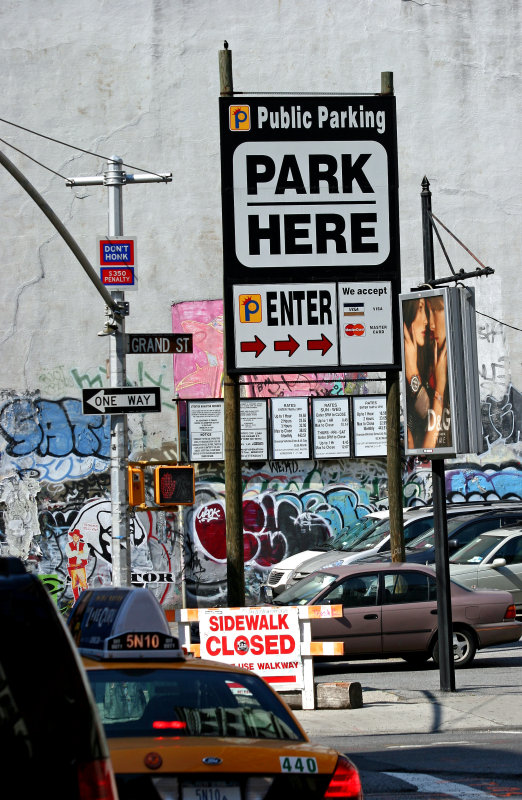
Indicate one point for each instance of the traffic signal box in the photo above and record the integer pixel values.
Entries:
(174, 486)
(136, 486)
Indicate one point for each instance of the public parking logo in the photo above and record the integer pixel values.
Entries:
(250, 309)
(239, 119)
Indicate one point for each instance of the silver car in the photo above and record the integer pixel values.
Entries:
(492, 561)
(358, 542)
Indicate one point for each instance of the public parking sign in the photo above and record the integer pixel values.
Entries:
(309, 196)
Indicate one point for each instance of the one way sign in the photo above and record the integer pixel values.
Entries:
(136, 400)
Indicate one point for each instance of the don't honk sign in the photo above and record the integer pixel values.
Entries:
(264, 640)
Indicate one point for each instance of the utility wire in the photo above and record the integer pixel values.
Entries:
(498, 320)
(73, 147)
(33, 159)
(440, 242)
(481, 313)
(140, 169)
(458, 240)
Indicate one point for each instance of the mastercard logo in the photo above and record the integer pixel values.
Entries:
(354, 329)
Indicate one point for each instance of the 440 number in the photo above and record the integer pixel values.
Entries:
(298, 764)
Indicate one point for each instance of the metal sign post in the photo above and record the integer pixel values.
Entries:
(115, 178)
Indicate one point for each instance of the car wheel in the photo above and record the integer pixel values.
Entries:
(464, 648)
(416, 659)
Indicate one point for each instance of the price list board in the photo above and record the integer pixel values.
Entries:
(290, 432)
(254, 430)
(206, 430)
(331, 427)
(369, 420)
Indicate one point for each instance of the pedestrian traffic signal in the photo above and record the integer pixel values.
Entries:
(136, 486)
(174, 486)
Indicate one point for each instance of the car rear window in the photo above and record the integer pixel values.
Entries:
(188, 702)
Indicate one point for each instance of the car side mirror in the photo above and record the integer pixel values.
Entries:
(498, 562)
(453, 544)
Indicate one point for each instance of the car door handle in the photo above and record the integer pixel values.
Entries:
(371, 616)
(434, 611)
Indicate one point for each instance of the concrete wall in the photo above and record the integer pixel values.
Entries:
(139, 79)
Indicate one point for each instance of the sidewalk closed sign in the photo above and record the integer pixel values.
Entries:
(264, 640)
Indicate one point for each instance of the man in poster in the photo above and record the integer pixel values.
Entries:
(428, 411)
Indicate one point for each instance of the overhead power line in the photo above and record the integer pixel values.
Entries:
(141, 169)
(73, 147)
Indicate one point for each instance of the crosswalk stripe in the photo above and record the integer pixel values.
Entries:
(431, 784)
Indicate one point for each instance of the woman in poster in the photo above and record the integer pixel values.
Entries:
(416, 366)
(426, 368)
(439, 417)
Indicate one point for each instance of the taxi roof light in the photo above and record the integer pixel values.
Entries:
(122, 623)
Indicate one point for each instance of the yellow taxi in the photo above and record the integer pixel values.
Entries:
(181, 728)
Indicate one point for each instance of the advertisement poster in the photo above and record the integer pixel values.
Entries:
(265, 640)
(429, 339)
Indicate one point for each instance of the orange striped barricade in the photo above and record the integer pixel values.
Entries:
(274, 642)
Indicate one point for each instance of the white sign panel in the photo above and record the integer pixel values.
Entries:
(286, 325)
(331, 427)
(369, 420)
(304, 204)
(365, 323)
(206, 430)
(265, 640)
(254, 430)
(290, 437)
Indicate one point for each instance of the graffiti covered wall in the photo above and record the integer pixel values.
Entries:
(55, 495)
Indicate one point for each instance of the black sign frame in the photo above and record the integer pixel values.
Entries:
(300, 115)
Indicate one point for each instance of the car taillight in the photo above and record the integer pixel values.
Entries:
(345, 781)
(96, 781)
(174, 724)
(511, 612)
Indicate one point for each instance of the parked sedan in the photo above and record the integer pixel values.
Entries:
(390, 611)
(492, 561)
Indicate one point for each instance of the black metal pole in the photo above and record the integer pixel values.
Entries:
(444, 616)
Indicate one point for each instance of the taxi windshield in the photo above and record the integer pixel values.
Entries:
(183, 702)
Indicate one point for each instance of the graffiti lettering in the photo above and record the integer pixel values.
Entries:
(55, 428)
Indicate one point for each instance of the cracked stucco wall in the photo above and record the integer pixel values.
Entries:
(139, 79)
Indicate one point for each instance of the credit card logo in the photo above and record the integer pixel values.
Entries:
(354, 330)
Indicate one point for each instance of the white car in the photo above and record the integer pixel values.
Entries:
(282, 575)
(492, 561)
(368, 537)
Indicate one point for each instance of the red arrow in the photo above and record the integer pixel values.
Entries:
(323, 344)
(291, 345)
(257, 346)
